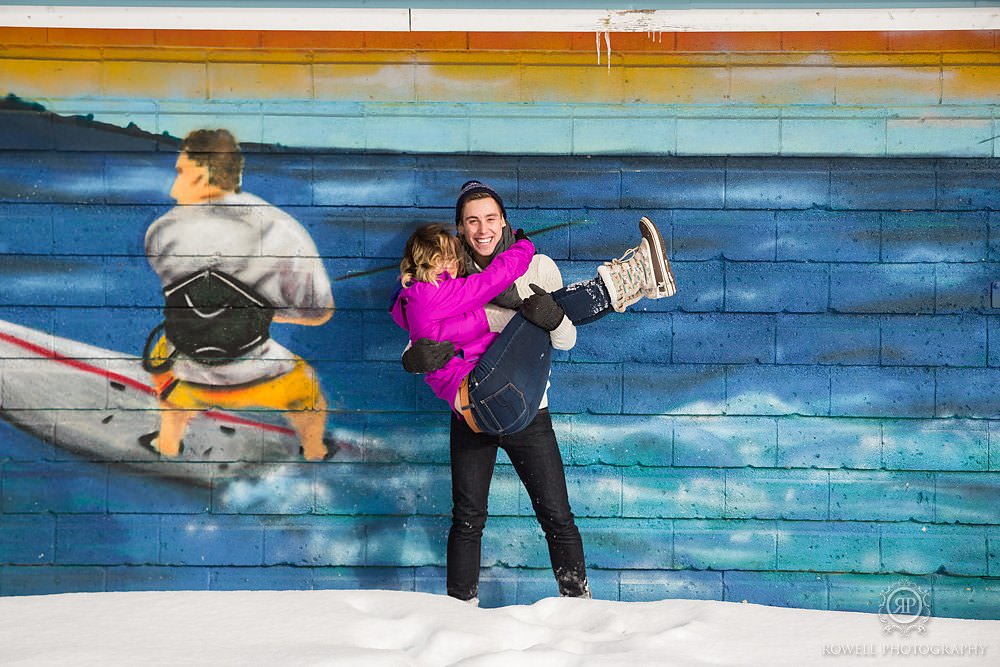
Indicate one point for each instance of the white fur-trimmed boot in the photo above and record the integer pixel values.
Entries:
(642, 271)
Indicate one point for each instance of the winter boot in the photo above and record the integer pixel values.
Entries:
(642, 271)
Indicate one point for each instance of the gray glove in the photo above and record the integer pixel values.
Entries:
(426, 355)
(541, 309)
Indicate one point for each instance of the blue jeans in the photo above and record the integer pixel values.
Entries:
(510, 378)
(535, 455)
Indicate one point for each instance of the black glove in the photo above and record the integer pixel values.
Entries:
(519, 235)
(426, 355)
(541, 309)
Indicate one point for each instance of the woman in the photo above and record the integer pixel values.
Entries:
(496, 381)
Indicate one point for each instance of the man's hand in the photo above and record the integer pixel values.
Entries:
(426, 355)
(541, 309)
(519, 235)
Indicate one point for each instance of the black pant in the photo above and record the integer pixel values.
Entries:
(535, 456)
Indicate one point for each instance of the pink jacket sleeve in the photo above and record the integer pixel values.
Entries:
(462, 294)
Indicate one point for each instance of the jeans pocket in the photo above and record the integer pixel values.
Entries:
(502, 409)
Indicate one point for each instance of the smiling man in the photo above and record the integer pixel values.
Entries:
(481, 222)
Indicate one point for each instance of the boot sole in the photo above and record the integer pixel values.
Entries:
(665, 283)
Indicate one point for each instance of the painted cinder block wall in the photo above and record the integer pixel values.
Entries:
(809, 421)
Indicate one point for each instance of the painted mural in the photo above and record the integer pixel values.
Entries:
(810, 418)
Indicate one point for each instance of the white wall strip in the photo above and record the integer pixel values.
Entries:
(500, 20)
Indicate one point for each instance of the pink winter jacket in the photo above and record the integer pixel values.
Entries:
(454, 310)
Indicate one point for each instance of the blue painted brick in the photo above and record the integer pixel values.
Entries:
(287, 490)
(211, 541)
(964, 288)
(993, 341)
(935, 445)
(673, 183)
(128, 281)
(625, 441)
(967, 392)
(281, 179)
(692, 389)
(967, 185)
(367, 488)
(724, 545)
(595, 388)
(864, 592)
(934, 236)
(594, 491)
(498, 586)
(777, 589)
(669, 493)
(767, 287)
(386, 230)
(28, 540)
(337, 231)
(968, 497)
(721, 339)
(346, 181)
(380, 339)
(994, 235)
(551, 230)
(261, 578)
(130, 178)
(934, 341)
(628, 336)
(777, 494)
(722, 442)
(881, 496)
(882, 288)
(315, 541)
(962, 597)
(828, 236)
(601, 235)
(26, 130)
(440, 179)
(538, 186)
(640, 544)
(369, 284)
(157, 578)
(52, 580)
(406, 540)
(367, 385)
(869, 185)
(993, 550)
(827, 339)
(819, 546)
(342, 338)
(777, 390)
(363, 578)
(514, 541)
(507, 495)
(729, 135)
(25, 228)
(700, 287)
(419, 438)
(99, 539)
(58, 487)
(52, 281)
(928, 548)
(651, 586)
(797, 183)
(872, 391)
(733, 235)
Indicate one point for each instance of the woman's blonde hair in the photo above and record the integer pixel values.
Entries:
(425, 250)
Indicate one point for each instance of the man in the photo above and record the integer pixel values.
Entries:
(230, 264)
(482, 224)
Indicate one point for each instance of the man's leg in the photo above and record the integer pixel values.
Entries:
(535, 455)
(173, 423)
(473, 456)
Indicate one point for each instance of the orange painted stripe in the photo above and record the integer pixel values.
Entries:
(621, 42)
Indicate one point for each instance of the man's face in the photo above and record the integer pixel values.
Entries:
(191, 184)
(481, 225)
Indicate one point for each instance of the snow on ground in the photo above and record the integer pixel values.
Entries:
(388, 628)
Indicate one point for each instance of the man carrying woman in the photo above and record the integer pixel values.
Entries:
(507, 409)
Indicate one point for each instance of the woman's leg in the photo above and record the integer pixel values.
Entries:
(473, 456)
